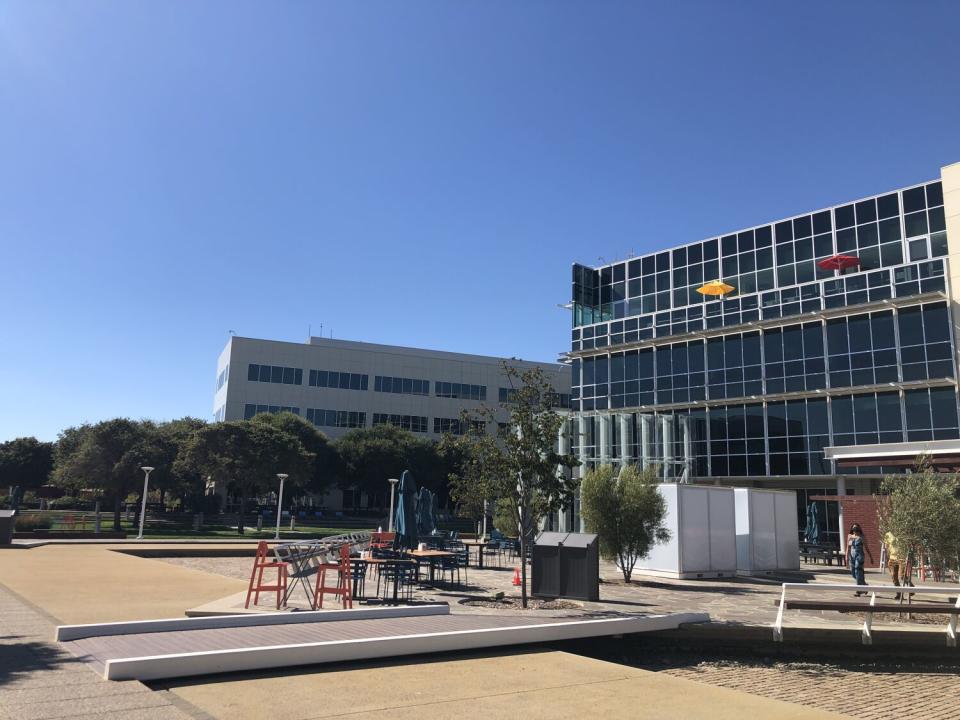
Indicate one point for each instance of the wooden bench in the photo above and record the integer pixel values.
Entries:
(951, 607)
(892, 607)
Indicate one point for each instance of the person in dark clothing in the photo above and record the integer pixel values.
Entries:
(856, 547)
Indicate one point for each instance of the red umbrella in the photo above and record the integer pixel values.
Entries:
(838, 262)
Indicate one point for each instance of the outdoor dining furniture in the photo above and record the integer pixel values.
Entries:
(400, 574)
(304, 559)
(262, 562)
(358, 576)
(431, 556)
(479, 545)
(342, 588)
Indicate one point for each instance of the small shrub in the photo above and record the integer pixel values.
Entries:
(34, 521)
(67, 502)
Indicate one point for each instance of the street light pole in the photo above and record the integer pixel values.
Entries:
(393, 486)
(143, 504)
(282, 477)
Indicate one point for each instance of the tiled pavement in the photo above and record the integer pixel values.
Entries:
(39, 681)
(866, 693)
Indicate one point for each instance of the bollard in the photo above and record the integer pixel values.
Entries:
(197, 521)
(96, 521)
(293, 522)
(259, 523)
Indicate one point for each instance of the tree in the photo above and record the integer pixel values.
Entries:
(368, 457)
(625, 511)
(247, 456)
(922, 511)
(518, 464)
(106, 456)
(162, 445)
(26, 462)
(319, 474)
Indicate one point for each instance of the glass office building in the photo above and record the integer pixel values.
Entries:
(761, 384)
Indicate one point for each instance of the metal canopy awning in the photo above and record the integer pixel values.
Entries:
(942, 454)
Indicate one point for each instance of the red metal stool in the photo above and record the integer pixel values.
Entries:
(342, 588)
(261, 563)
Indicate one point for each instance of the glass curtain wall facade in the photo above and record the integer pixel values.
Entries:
(754, 384)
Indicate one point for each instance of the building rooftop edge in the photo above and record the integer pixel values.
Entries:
(763, 224)
(321, 342)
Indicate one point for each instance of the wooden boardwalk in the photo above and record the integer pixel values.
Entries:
(151, 655)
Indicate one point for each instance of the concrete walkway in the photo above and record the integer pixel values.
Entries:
(530, 685)
(40, 681)
(87, 583)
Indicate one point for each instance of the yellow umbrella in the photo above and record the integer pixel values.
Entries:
(715, 287)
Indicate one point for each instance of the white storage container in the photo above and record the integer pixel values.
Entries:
(702, 525)
(767, 537)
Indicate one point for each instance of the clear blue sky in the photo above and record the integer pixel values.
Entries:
(418, 172)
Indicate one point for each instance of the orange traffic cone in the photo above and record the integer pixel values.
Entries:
(516, 577)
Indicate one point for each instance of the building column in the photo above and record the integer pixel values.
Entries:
(687, 449)
(603, 441)
(626, 437)
(950, 181)
(646, 438)
(563, 447)
(841, 492)
(576, 516)
(666, 431)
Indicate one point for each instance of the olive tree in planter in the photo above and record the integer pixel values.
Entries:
(625, 511)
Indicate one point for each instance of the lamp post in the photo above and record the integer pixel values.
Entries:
(393, 486)
(282, 476)
(143, 504)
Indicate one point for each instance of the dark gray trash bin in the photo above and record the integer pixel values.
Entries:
(6, 526)
(566, 565)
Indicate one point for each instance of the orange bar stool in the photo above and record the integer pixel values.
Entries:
(342, 588)
(262, 562)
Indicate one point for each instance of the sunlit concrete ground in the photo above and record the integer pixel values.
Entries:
(90, 583)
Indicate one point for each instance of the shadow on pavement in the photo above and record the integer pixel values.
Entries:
(19, 659)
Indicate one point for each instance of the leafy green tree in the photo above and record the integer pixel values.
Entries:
(625, 511)
(367, 457)
(518, 464)
(247, 456)
(26, 462)
(320, 474)
(106, 457)
(922, 511)
(162, 444)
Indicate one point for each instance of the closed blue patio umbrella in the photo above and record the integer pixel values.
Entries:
(426, 525)
(405, 516)
(814, 535)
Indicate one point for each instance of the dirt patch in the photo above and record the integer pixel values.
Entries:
(516, 604)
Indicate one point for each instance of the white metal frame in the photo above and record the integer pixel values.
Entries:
(866, 633)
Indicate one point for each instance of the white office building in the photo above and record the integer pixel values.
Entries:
(339, 385)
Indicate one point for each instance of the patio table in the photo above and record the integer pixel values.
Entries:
(431, 556)
(479, 545)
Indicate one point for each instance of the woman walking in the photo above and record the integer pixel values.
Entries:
(856, 546)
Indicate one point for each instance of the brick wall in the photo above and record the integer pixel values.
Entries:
(863, 509)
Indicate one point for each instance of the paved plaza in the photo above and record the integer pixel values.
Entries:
(92, 583)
